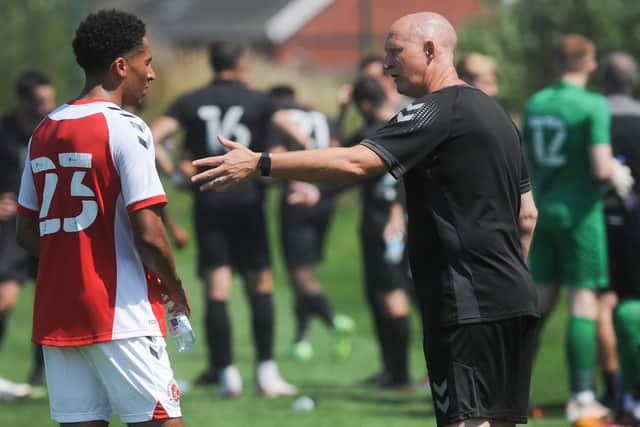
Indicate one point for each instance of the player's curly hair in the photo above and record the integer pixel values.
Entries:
(105, 35)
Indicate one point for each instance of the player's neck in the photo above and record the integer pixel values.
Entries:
(578, 79)
(97, 88)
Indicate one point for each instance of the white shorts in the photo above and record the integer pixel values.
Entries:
(131, 378)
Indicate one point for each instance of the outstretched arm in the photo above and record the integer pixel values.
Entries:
(330, 164)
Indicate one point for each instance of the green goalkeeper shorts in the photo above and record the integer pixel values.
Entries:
(576, 256)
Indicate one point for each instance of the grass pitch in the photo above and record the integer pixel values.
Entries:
(340, 401)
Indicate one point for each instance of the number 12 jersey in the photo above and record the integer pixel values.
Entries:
(89, 165)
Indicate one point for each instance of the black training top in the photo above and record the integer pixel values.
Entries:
(464, 171)
(378, 192)
(13, 150)
(228, 108)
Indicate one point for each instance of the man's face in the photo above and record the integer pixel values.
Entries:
(406, 62)
(139, 74)
(42, 101)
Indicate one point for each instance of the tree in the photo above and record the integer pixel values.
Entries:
(522, 35)
(37, 35)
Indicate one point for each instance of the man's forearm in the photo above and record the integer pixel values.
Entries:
(328, 165)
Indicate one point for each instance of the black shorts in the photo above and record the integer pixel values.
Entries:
(15, 263)
(303, 236)
(233, 237)
(482, 370)
(624, 268)
(381, 275)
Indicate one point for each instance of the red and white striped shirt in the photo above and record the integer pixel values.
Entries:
(89, 165)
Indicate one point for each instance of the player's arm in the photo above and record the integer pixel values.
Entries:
(283, 122)
(330, 164)
(601, 161)
(527, 221)
(162, 128)
(28, 233)
(396, 222)
(155, 252)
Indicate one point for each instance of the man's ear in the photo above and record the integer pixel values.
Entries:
(120, 66)
(429, 50)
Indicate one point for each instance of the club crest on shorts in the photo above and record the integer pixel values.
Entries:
(174, 391)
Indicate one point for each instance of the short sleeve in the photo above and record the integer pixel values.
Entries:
(600, 126)
(525, 180)
(28, 203)
(134, 157)
(410, 136)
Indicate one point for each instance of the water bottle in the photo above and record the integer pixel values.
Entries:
(394, 248)
(181, 331)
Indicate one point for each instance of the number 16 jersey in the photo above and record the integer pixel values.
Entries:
(89, 165)
(561, 124)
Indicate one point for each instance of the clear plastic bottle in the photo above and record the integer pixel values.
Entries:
(394, 249)
(180, 329)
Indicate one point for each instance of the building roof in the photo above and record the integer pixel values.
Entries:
(186, 21)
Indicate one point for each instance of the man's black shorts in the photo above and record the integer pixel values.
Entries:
(381, 275)
(233, 237)
(482, 370)
(15, 263)
(303, 236)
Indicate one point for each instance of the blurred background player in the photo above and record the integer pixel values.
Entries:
(619, 78)
(386, 280)
(566, 131)
(230, 226)
(35, 97)
(303, 230)
(369, 66)
(480, 71)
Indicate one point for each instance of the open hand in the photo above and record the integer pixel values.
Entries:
(237, 165)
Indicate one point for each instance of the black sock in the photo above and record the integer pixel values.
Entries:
(262, 319)
(3, 325)
(613, 387)
(303, 316)
(318, 305)
(218, 327)
(398, 346)
(378, 315)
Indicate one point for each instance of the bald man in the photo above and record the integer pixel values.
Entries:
(471, 218)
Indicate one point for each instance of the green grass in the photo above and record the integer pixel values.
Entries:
(340, 402)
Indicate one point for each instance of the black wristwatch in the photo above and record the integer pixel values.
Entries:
(265, 164)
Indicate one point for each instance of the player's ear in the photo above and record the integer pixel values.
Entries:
(120, 66)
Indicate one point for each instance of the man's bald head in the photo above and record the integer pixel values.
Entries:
(424, 26)
(420, 53)
(619, 73)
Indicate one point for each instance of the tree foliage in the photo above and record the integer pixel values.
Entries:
(522, 35)
(37, 35)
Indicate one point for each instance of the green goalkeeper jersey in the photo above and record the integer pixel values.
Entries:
(561, 124)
